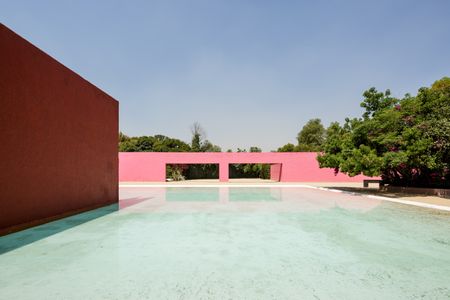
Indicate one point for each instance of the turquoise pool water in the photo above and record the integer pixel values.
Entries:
(233, 243)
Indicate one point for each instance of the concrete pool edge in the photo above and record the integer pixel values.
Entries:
(291, 185)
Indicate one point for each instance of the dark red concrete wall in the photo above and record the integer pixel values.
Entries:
(58, 132)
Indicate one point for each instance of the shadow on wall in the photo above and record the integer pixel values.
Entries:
(22, 238)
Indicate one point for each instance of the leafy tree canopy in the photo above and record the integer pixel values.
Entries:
(199, 143)
(255, 149)
(405, 141)
(287, 148)
(157, 143)
(311, 137)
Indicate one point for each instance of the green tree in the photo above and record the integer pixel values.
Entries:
(287, 148)
(375, 101)
(123, 137)
(163, 143)
(207, 146)
(199, 143)
(311, 137)
(157, 143)
(405, 141)
(197, 135)
(255, 149)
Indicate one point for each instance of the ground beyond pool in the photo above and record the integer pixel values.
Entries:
(233, 243)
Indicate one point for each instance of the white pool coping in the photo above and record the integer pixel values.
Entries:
(383, 198)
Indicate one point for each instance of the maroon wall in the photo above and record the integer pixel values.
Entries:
(58, 151)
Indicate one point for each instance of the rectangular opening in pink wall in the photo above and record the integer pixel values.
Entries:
(253, 170)
(193, 171)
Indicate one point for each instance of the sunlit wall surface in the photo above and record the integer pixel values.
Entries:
(59, 138)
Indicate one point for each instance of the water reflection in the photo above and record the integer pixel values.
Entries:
(270, 199)
(192, 194)
(225, 194)
(262, 194)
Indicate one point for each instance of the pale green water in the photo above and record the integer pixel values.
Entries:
(237, 243)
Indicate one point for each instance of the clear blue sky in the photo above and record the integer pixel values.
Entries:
(251, 72)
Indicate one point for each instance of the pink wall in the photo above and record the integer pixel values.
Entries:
(275, 172)
(292, 166)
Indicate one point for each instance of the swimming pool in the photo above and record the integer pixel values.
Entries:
(233, 243)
